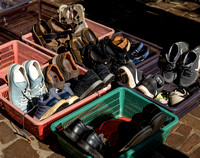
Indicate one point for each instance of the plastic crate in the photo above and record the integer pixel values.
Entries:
(17, 52)
(21, 20)
(154, 49)
(182, 108)
(41, 129)
(120, 102)
(8, 5)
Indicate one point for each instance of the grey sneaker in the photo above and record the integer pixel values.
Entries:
(36, 79)
(191, 66)
(173, 57)
(177, 95)
(18, 84)
(129, 74)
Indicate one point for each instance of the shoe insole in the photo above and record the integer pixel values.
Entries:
(34, 72)
(19, 77)
(67, 65)
(54, 77)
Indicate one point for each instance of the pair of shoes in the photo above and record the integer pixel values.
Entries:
(78, 44)
(62, 70)
(141, 126)
(54, 101)
(86, 138)
(26, 83)
(85, 85)
(73, 15)
(138, 52)
(129, 75)
(190, 64)
(151, 84)
(52, 35)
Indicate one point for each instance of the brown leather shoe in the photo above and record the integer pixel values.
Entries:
(76, 45)
(88, 36)
(53, 77)
(66, 64)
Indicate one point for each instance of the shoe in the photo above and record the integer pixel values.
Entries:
(191, 66)
(19, 89)
(51, 103)
(122, 42)
(104, 74)
(138, 52)
(154, 116)
(74, 15)
(36, 79)
(173, 58)
(76, 47)
(86, 84)
(67, 66)
(177, 96)
(129, 75)
(44, 36)
(53, 77)
(132, 133)
(163, 97)
(151, 84)
(76, 130)
(88, 36)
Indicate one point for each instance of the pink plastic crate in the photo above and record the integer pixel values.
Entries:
(100, 31)
(17, 52)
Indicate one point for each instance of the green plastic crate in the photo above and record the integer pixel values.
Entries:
(120, 102)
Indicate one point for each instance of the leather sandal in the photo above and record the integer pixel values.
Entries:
(88, 36)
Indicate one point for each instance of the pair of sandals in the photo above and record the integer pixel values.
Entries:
(74, 15)
(52, 35)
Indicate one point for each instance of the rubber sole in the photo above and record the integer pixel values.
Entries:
(145, 91)
(108, 79)
(93, 88)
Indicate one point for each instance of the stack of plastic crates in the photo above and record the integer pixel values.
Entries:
(120, 102)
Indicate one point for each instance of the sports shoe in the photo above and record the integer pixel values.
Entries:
(36, 79)
(173, 58)
(163, 97)
(50, 103)
(53, 77)
(129, 75)
(67, 66)
(150, 85)
(19, 89)
(177, 95)
(86, 84)
(191, 66)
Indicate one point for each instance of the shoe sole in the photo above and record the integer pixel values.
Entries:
(127, 77)
(53, 109)
(108, 79)
(93, 88)
(145, 91)
(138, 138)
(71, 135)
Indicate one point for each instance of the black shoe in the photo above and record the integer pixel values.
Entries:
(76, 130)
(155, 116)
(104, 74)
(151, 84)
(86, 85)
(173, 58)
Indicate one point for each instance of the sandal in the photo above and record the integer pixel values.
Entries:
(122, 42)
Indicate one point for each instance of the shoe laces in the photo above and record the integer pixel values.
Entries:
(187, 71)
(24, 98)
(39, 91)
(170, 66)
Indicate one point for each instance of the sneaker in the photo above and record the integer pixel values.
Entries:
(151, 84)
(177, 96)
(67, 66)
(130, 75)
(138, 52)
(50, 103)
(53, 77)
(172, 60)
(191, 66)
(19, 89)
(163, 97)
(86, 84)
(104, 74)
(36, 79)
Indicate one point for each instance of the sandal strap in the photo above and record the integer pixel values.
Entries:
(57, 35)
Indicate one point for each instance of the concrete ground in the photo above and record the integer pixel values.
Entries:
(158, 22)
